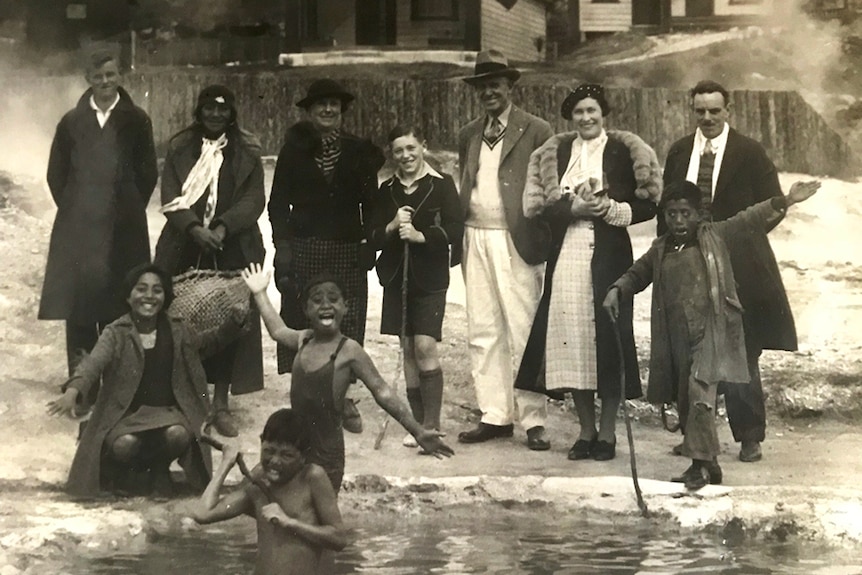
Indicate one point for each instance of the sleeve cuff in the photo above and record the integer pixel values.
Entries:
(619, 214)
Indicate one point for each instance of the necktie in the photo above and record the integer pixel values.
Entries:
(704, 179)
(493, 132)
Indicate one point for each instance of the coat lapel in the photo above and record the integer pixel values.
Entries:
(514, 131)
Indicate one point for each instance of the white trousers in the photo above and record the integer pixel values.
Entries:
(502, 296)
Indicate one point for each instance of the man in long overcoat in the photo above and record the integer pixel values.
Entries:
(734, 173)
(101, 173)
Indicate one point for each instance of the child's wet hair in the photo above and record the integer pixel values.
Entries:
(321, 278)
(681, 190)
(286, 426)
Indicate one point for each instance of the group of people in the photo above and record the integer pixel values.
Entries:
(538, 226)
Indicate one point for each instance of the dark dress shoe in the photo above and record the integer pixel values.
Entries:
(484, 432)
(712, 468)
(536, 439)
(698, 479)
(582, 449)
(750, 452)
(604, 450)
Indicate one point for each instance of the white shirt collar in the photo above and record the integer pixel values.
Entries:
(717, 143)
(426, 170)
(504, 115)
(101, 116)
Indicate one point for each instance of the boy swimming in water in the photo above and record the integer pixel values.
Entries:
(322, 371)
(697, 338)
(300, 521)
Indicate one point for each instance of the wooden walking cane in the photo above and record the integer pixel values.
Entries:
(402, 348)
(640, 498)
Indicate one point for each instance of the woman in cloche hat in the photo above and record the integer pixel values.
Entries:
(318, 207)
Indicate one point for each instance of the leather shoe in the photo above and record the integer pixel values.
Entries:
(697, 479)
(536, 439)
(750, 452)
(582, 449)
(224, 424)
(713, 470)
(485, 431)
(604, 450)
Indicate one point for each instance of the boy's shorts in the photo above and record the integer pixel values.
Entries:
(424, 312)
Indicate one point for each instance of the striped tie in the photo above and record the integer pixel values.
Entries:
(704, 180)
(494, 132)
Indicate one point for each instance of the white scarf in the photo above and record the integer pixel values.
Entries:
(585, 162)
(203, 175)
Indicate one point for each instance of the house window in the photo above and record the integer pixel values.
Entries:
(434, 9)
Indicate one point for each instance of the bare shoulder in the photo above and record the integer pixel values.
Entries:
(314, 473)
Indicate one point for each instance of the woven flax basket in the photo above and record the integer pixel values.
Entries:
(206, 299)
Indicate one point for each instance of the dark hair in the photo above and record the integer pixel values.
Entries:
(286, 426)
(167, 281)
(594, 91)
(682, 190)
(321, 278)
(710, 87)
(404, 130)
(98, 57)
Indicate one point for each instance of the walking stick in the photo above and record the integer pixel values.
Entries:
(640, 498)
(402, 348)
(240, 462)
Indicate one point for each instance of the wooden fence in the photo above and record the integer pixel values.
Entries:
(793, 133)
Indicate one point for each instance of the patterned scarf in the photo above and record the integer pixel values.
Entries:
(203, 176)
(329, 153)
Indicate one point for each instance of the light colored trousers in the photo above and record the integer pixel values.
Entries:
(502, 296)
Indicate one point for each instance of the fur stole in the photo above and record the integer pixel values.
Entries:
(543, 181)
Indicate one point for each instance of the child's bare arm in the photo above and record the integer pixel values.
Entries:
(257, 281)
(211, 507)
(386, 398)
(330, 532)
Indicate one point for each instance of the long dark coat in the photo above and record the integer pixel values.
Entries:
(118, 358)
(747, 177)
(239, 208)
(438, 215)
(101, 180)
(625, 156)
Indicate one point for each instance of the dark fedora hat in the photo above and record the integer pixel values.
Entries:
(325, 88)
(492, 64)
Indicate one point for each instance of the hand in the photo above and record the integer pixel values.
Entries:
(256, 278)
(410, 234)
(801, 191)
(431, 441)
(582, 208)
(220, 231)
(206, 239)
(404, 215)
(65, 405)
(273, 513)
(612, 303)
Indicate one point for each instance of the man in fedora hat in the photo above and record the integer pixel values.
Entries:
(503, 252)
(323, 181)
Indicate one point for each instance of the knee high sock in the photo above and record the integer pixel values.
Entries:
(414, 399)
(431, 385)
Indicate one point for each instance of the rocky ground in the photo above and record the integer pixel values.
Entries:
(805, 487)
